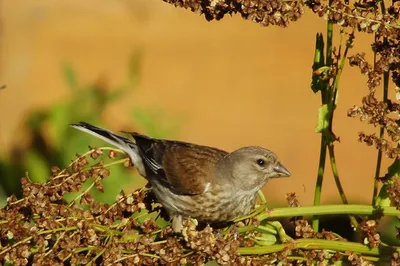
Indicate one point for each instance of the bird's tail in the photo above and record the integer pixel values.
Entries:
(125, 144)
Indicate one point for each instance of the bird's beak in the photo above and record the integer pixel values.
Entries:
(281, 170)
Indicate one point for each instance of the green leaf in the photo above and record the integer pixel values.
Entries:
(323, 119)
(134, 68)
(394, 168)
(266, 240)
(37, 166)
(58, 124)
(317, 84)
(70, 77)
(323, 127)
(146, 120)
(153, 122)
(211, 263)
(162, 223)
(35, 249)
(36, 120)
(383, 199)
(116, 94)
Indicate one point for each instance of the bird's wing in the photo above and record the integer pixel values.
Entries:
(186, 168)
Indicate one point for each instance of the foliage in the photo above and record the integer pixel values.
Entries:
(41, 229)
(53, 142)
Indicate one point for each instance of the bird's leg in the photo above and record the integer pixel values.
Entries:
(177, 225)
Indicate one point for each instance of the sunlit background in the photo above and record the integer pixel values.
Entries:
(147, 66)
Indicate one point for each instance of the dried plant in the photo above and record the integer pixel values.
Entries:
(41, 228)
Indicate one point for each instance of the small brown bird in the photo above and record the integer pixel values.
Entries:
(195, 181)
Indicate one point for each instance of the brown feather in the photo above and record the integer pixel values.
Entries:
(184, 167)
(191, 169)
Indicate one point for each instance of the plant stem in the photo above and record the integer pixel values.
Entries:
(377, 171)
(322, 154)
(339, 186)
(312, 243)
(320, 178)
(329, 210)
(336, 174)
(331, 147)
(382, 130)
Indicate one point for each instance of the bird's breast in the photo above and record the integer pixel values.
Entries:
(218, 204)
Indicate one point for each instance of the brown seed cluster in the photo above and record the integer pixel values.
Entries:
(364, 15)
(304, 230)
(393, 191)
(395, 259)
(380, 114)
(370, 232)
(208, 244)
(368, 16)
(43, 229)
(265, 12)
(292, 199)
(356, 259)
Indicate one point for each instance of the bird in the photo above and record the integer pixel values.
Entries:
(195, 181)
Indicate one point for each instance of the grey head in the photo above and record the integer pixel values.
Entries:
(251, 167)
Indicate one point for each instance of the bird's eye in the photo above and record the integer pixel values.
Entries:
(260, 162)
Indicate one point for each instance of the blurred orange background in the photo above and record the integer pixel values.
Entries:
(227, 83)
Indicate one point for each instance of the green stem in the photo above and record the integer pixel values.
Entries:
(382, 130)
(322, 154)
(381, 133)
(339, 186)
(328, 210)
(329, 41)
(377, 171)
(320, 178)
(331, 147)
(311, 243)
(336, 174)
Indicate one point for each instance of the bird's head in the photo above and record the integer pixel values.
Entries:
(253, 166)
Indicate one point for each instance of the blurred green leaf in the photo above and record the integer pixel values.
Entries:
(10, 175)
(36, 166)
(70, 77)
(36, 119)
(58, 123)
(118, 180)
(145, 120)
(134, 72)
(153, 122)
(116, 93)
(86, 103)
(389, 228)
